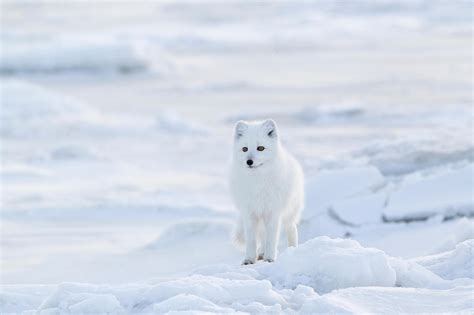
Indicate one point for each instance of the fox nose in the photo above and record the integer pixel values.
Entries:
(249, 162)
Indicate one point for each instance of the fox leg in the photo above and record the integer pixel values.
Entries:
(250, 229)
(272, 231)
(292, 235)
(261, 241)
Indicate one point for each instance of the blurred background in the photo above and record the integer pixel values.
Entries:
(117, 120)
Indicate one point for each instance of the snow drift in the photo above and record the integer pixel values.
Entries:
(323, 264)
(454, 264)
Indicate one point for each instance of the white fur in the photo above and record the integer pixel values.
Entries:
(270, 194)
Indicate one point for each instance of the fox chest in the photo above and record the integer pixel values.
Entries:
(261, 195)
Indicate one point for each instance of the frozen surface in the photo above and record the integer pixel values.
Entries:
(116, 132)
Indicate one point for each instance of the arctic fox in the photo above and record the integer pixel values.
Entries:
(267, 186)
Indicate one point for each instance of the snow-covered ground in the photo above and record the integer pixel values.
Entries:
(116, 123)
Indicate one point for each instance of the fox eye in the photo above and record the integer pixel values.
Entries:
(245, 149)
(260, 148)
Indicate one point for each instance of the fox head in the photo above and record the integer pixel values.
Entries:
(256, 144)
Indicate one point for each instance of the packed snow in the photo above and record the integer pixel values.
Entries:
(116, 131)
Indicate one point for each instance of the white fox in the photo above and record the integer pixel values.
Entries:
(267, 186)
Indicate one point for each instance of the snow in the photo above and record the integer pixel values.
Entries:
(323, 264)
(396, 158)
(116, 128)
(351, 181)
(369, 209)
(321, 275)
(454, 264)
(70, 56)
(388, 300)
(172, 123)
(189, 302)
(448, 192)
(29, 110)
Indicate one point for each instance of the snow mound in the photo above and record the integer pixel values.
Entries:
(446, 192)
(327, 264)
(216, 290)
(81, 298)
(55, 56)
(454, 264)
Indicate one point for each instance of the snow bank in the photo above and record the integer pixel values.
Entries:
(16, 298)
(194, 293)
(327, 264)
(66, 56)
(410, 274)
(87, 298)
(217, 290)
(463, 230)
(447, 192)
(454, 264)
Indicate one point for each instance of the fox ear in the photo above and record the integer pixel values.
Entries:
(240, 127)
(270, 128)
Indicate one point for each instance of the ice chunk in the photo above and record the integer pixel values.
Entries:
(448, 192)
(403, 157)
(360, 210)
(329, 186)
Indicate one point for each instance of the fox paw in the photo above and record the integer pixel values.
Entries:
(260, 257)
(248, 261)
(269, 260)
